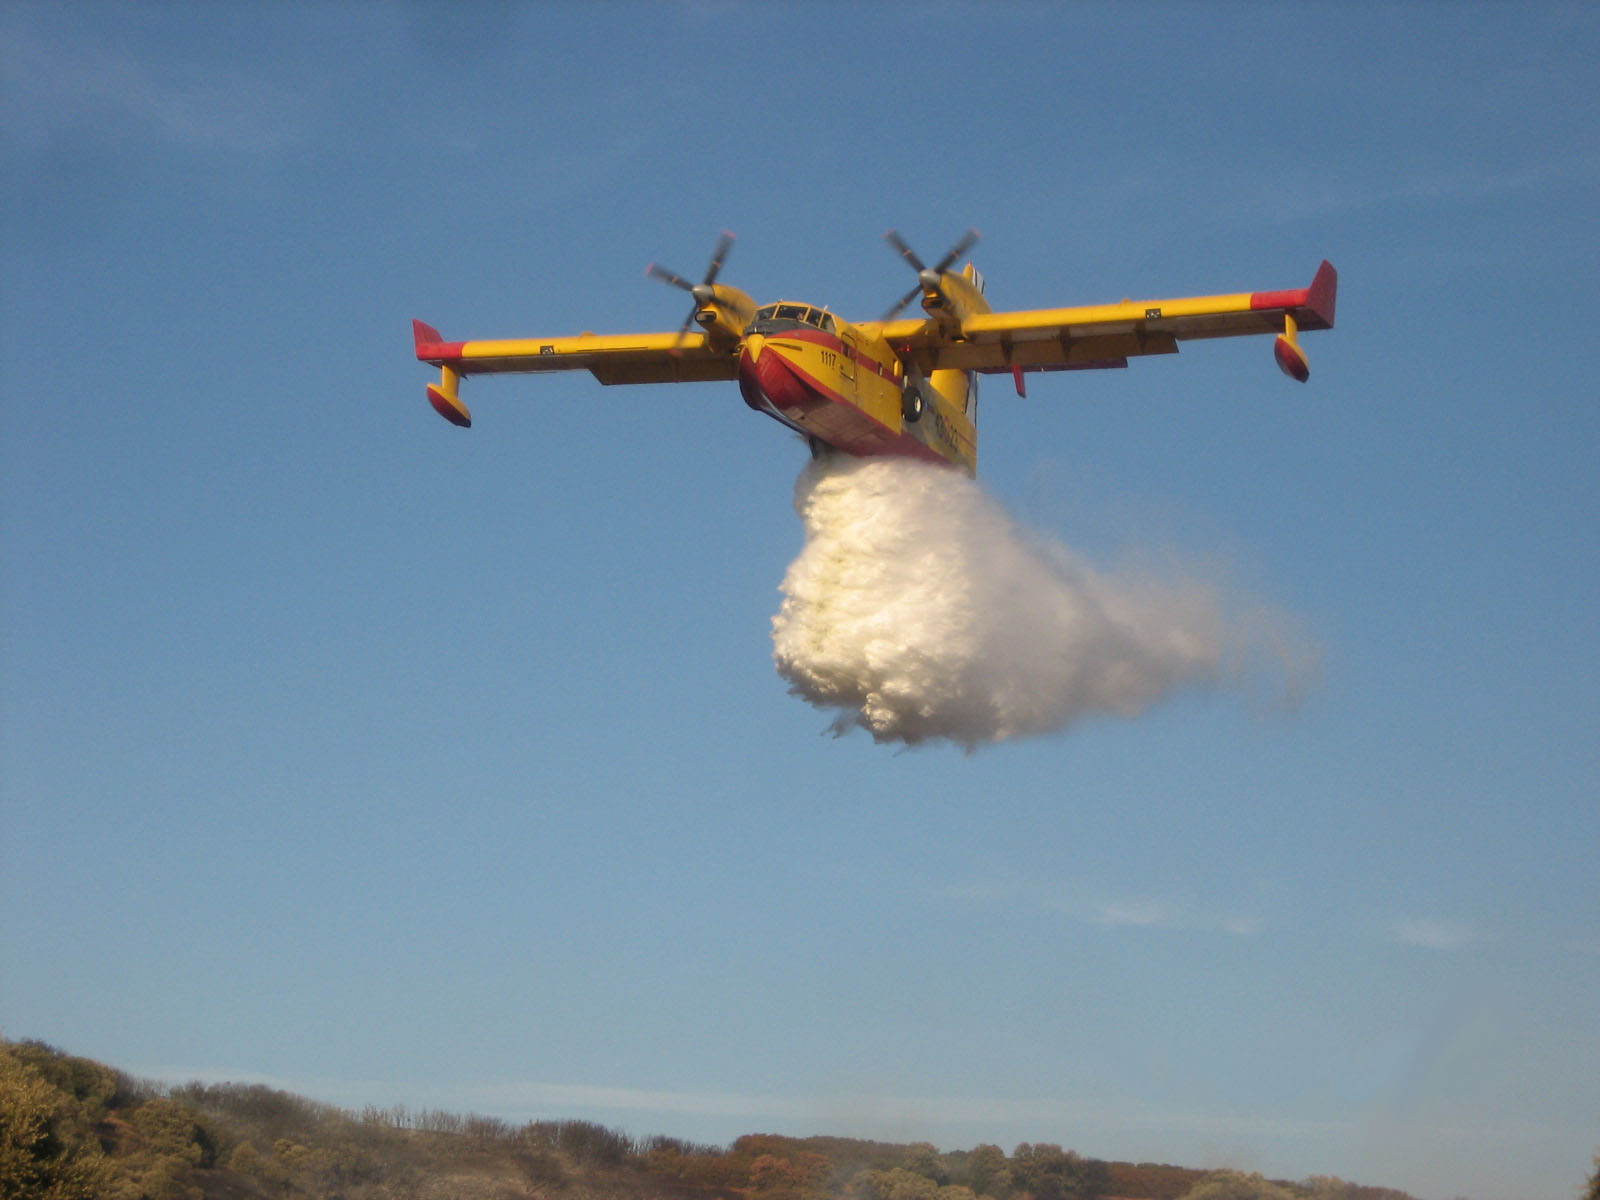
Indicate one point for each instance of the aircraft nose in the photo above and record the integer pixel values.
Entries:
(768, 379)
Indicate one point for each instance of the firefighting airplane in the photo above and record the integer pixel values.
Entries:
(894, 386)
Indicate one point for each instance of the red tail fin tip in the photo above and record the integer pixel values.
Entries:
(1322, 296)
(425, 334)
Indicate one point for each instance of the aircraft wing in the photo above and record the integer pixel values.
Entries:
(1107, 335)
(610, 358)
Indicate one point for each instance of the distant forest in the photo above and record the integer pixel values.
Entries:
(75, 1129)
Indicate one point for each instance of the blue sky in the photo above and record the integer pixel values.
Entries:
(396, 764)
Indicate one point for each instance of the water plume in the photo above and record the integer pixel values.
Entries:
(921, 611)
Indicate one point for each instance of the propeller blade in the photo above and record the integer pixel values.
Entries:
(904, 300)
(718, 257)
(906, 252)
(666, 276)
(967, 242)
(702, 291)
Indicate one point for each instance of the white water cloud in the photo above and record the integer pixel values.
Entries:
(920, 611)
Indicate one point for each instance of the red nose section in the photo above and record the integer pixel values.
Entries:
(768, 381)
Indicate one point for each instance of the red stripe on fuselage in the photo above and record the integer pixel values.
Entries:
(827, 341)
(805, 402)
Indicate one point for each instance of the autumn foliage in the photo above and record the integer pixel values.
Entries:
(73, 1129)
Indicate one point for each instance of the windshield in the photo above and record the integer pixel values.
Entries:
(778, 315)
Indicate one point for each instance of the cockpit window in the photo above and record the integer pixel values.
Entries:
(801, 314)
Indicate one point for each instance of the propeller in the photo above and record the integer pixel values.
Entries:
(927, 277)
(704, 292)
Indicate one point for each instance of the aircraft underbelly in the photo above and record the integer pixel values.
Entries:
(773, 384)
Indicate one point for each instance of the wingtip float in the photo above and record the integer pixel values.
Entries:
(1286, 349)
(446, 395)
(897, 385)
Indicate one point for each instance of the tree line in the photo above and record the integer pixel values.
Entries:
(75, 1129)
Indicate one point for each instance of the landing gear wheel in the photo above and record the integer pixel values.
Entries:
(911, 405)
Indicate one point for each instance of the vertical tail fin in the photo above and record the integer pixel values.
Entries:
(425, 335)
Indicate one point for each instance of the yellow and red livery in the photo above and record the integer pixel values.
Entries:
(896, 385)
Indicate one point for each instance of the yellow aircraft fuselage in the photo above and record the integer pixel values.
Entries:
(843, 387)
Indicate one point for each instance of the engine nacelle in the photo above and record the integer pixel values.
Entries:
(724, 312)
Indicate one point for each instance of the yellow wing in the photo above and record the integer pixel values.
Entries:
(610, 358)
(1107, 335)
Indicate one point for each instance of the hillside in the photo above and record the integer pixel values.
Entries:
(75, 1129)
